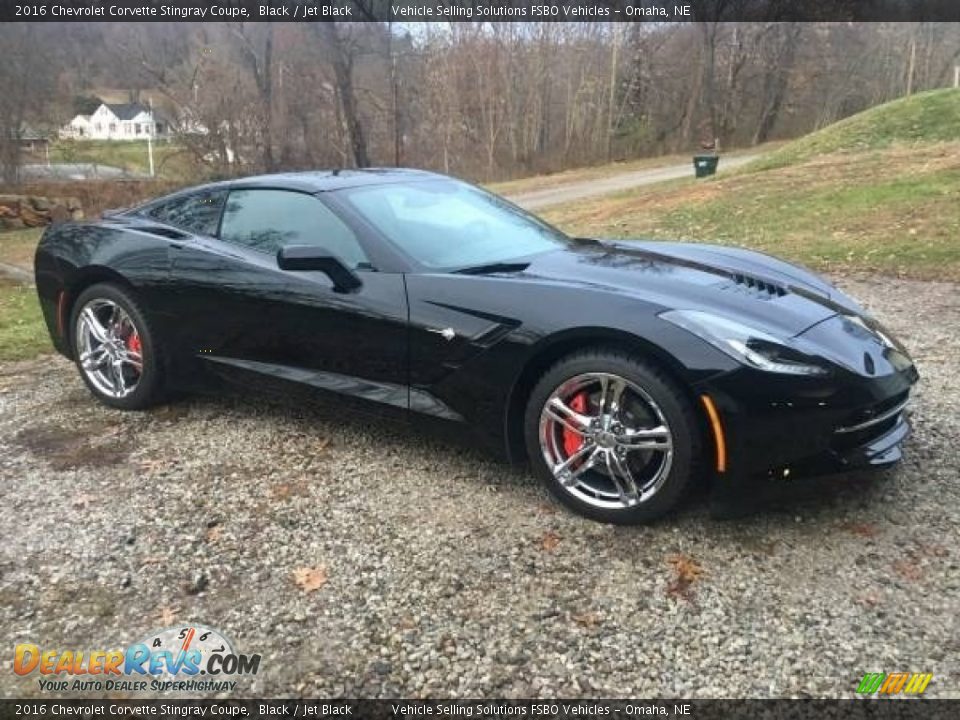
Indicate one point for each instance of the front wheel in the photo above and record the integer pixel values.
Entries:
(612, 437)
(114, 348)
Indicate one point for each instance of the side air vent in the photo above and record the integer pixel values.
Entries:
(163, 232)
(759, 287)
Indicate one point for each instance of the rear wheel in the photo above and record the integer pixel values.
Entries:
(114, 348)
(612, 437)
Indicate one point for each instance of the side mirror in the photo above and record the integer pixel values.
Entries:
(319, 259)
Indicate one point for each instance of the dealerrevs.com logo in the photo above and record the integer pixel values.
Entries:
(180, 659)
(894, 683)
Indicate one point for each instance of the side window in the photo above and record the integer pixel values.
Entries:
(266, 220)
(198, 212)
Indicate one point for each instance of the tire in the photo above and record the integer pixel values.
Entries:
(636, 457)
(109, 345)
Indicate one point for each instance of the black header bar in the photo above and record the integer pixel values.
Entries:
(490, 709)
(479, 10)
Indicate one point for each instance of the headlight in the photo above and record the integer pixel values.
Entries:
(746, 344)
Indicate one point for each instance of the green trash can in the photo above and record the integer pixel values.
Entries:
(704, 165)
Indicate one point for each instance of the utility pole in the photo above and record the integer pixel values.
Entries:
(150, 128)
(611, 106)
(395, 91)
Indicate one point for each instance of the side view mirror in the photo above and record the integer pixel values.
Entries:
(319, 259)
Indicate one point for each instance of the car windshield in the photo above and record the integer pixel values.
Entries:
(450, 224)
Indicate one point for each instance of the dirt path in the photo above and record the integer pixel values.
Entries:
(535, 199)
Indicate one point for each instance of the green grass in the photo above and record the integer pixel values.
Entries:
(23, 333)
(170, 160)
(923, 118)
(893, 211)
(17, 246)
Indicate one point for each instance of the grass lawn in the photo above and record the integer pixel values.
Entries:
(17, 247)
(893, 211)
(169, 159)
(23, 334)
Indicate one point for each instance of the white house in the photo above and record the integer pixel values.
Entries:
(131, 121)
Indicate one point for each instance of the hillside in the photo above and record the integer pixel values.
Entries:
(877, 192)
(923, 118)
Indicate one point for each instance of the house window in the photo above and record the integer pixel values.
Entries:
(113, 127)
(127, 130)
(159, 128)
(99, 127)
(136, 128)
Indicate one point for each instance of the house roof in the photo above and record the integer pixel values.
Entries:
(127, 111)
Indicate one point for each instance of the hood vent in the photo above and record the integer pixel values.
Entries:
(763, 289)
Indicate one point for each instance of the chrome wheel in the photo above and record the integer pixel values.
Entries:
(108, 348)
(605, 440)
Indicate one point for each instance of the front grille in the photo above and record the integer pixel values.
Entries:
(868, 424)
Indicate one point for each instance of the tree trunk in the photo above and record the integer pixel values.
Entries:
(343, 73)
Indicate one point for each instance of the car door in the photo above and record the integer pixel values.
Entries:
(252, 322)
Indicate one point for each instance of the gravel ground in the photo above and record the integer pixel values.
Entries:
(451, 575)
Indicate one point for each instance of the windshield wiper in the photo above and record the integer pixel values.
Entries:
(490, 268)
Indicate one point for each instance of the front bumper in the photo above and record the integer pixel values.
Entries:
(776, 426)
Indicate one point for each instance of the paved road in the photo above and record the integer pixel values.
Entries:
(615, 183)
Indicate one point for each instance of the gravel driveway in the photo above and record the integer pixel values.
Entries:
(448, 574)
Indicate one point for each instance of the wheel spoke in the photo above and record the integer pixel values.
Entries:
(621, 467)
(567, 474)
(93, 359)
(611, 391)
(568, 417)
(116, 378)
(657, 438)
(93, 325)
(132, 358)
(115, 321)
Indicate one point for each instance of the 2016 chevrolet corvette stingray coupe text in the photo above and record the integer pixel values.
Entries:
(620, 370)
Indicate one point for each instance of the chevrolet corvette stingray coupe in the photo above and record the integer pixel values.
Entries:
(621, 371)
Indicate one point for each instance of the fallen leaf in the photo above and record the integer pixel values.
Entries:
(862, 529)
(586, 619)
(686, 571)
(546, 509)
(407, 622)
(214, 533)
(151, 465)
(908, 570)
(550, 541)
(310, 579)
(168, 615)
(82, 500)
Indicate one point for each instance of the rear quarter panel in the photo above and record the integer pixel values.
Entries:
(72, 256)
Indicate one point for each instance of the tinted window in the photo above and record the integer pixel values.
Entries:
(266, 220)
(444, 223)
(198, 212)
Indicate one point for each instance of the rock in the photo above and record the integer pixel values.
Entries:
(59, 213)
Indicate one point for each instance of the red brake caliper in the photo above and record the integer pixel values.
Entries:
(133, 343)
(571, 440)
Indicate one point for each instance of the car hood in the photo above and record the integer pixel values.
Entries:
(752, 287)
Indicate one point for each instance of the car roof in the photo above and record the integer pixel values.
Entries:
(327, 180)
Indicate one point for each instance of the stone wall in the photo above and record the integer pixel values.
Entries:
(27, 211)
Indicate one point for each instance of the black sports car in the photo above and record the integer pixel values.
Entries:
(620, 370)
